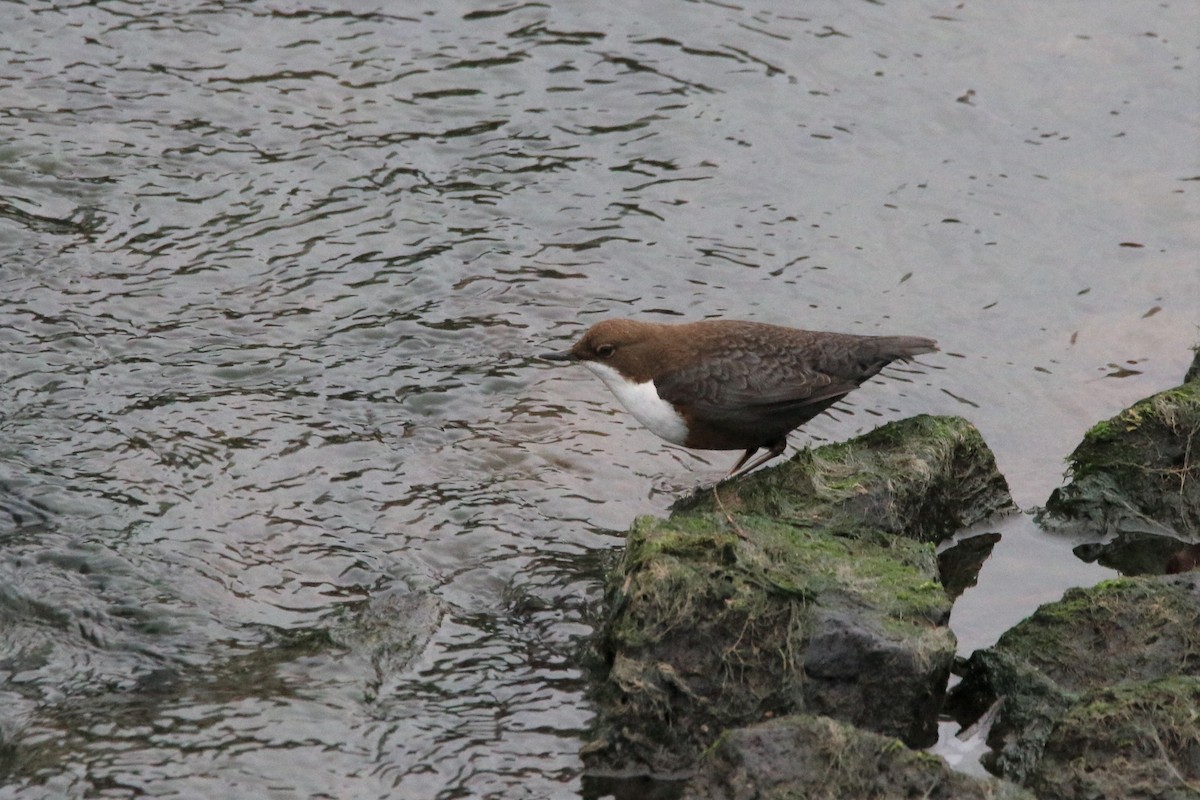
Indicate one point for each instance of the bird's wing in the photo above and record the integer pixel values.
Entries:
(730, 387)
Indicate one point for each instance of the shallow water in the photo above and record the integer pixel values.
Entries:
(290, 508)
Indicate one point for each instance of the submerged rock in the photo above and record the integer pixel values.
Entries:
(793, 590)
(1067, 675)
(818, 758)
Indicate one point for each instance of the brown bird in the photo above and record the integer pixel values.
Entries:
(728, 385)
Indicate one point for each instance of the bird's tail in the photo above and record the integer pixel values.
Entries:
(905, 347)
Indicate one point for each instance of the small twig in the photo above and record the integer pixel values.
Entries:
(728, 517)
(1167, 759)
(1187, 461)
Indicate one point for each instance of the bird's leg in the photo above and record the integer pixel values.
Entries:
(774, 451)
(745, 457)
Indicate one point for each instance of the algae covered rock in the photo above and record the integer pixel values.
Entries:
(1058, 671)
(1133, 740)
(924, 478)
(1122, 629)
(818, 758)
(790, 593)
(1139, 471)
(712, 631)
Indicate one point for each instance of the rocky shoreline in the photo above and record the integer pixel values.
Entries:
(785, 635)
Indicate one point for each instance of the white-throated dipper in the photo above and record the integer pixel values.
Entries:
(727, 385)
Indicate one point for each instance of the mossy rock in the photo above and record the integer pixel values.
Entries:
(1137, 740)
(1129, 630)
(711, 630)
(923, 478)
(1123, 629)
(817, 758)
(1139, 471)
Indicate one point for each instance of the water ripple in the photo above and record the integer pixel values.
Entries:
(288, 503)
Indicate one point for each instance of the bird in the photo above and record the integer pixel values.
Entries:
(729, 384)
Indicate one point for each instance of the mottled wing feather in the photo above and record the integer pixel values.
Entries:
(723, 391)
(790, 378)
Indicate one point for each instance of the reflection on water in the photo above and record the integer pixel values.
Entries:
(287, 506)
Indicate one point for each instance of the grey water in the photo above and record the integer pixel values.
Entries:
(289, 507)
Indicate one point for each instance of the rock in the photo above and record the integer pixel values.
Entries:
(1138, 472)
(1133, 740)
(1030, 706)
(790, 593)
(1095, 695)
(1127, 640)
(1123, 629)
(923, 478)
(818, 758)
(711, 631)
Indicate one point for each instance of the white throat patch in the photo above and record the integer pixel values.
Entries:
(642, 400)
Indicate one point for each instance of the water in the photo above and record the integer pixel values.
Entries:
(290, 508)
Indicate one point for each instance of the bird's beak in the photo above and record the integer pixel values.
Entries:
(565, 355)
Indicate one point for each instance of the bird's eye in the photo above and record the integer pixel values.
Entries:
(605, 350)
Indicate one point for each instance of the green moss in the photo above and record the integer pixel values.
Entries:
(1134, 739)
(1128, 443)
(1171, 702)
(922, 478)
(784, 559)
(1102, 431)
(695, 536)
(1140, 468)
(1126, 628)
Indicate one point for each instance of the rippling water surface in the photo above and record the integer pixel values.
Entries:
(288, 508)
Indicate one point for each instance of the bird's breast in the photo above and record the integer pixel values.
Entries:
(642, 400)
